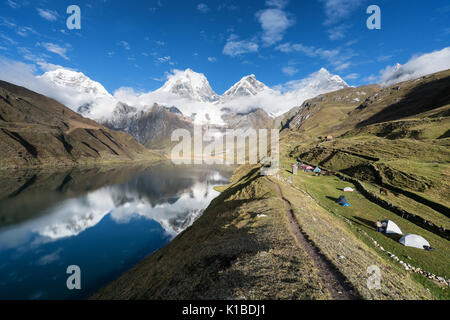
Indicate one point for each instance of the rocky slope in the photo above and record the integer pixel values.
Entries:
(186, 98)
(152, 127)
(38, 131)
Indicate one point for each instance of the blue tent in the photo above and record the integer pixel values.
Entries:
(343, 201)
(317, 170)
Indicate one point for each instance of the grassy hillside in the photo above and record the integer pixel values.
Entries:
(409, 154)
(231, 252)
(397, 139)
(38, 131)
(284, 236)
(243, 248)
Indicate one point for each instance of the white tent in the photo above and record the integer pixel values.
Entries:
(415, 241)
(391, 227)
(348, 189)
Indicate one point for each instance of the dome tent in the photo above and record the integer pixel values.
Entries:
(391, 227)
(415, 241)
(348, 189)
(343, 201)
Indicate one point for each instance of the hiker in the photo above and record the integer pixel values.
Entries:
(379, 226)
(384, 191)
(383, 226)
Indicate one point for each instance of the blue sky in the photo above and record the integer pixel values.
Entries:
(135, 43)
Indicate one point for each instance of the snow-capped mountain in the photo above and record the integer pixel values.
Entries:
(394, 74)
(79, 92)
(247, 86)
(77, 81)
(190, 85)
(186, 98)
(250, 94)
(298, 91)
(317, 83)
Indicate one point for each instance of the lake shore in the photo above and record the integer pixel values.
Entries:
(244, 247)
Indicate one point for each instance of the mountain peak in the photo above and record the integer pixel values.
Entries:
(250, 76)
(189, 84)
(247, 86)
(66, 78)
(324, 71)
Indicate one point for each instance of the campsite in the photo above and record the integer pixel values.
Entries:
(361, 217)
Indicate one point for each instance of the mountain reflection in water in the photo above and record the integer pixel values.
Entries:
(103, 220)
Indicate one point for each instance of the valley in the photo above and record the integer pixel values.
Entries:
(259, 237)
(243, 242)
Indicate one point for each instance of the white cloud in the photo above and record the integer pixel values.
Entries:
(274, 22)
(125, 45)
(25, 31)
(298, 47)
(203, 8)
(212, 59)
(280, 4)
(13, 4)
(337, 32)
(49, 258)
(338, 10)
(352, 76)
(235, 48)
(54, 48)
(343, 66)
(45, 66)
(7, 39)
(49, 15)
(416, 67)
(7, 22)
(164, 59)
(290, 71)
(338, 58)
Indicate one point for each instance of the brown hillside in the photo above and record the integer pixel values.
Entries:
(39, 131)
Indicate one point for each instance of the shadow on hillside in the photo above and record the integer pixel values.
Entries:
(364, 222)
(445, 135)
(333, 199)
(425, 97)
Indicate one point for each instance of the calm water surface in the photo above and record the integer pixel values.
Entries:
(102, 220)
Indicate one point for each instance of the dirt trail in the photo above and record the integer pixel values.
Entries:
(336, 284)
(74, 124)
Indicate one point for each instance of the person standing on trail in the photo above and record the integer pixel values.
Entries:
(379, 225)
